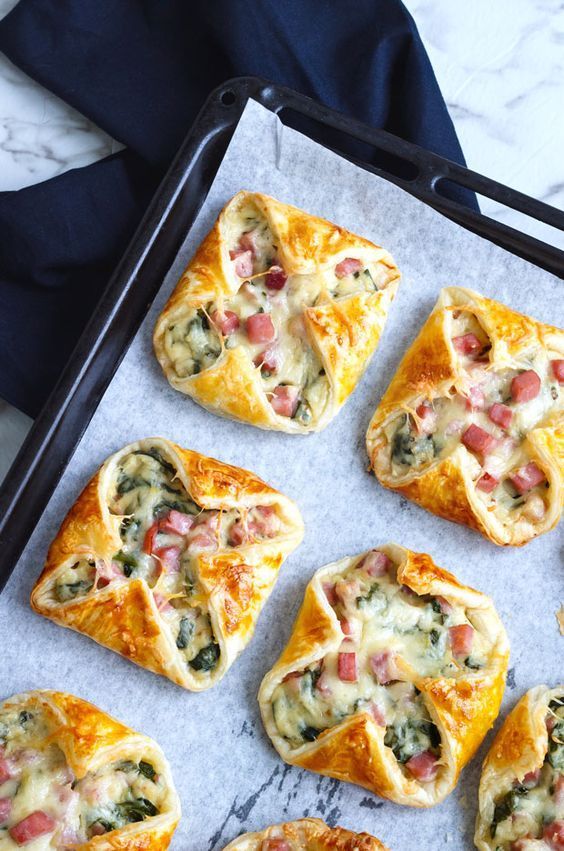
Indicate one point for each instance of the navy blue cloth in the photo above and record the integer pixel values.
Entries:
(141, 69)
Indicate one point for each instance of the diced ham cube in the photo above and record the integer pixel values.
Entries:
(347, 667)
(276, 278)
(446, 607)
(478, 440)
(106, 571)
(5, 809)
(558, 369)
(522, 844)
(525, 386)
(34, 825)
(423, 766)
(169, 558)
(5, 770)
(461, 639)
(553, 835)
(275, 845)
(500, 414)
(347, 626)
(268, 359)
(247, 241)
(176, 523)
(383, 667)
(378, 714)
(347, 267)
(487, 483)
(526, 477)
(467, 344)
(323, 686)
(330, 593)
(530, 779)
(226, 322)
(260, 328)
(243, 262)
(284, 400)
(264, 522)
(475, 399)
(375, 563)
(559, 791)
(427, 422)
(98, 829)
(347, 591)
(149, 539)
(238, 533)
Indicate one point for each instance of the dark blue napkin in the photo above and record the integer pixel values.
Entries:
(141, 69)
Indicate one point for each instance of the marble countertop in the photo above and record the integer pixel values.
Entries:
(500, 66)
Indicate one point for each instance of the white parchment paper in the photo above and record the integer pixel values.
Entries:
(229, 777)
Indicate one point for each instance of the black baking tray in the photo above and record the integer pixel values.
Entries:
(55, 434)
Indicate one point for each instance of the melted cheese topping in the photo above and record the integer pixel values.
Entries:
(146, 491)
(397, 638)
(41, 780)
(196, 343)
(415, 443)
(532, 806)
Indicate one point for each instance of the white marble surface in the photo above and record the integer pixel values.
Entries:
(501, 69)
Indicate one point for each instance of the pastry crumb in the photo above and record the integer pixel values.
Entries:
(560, 619)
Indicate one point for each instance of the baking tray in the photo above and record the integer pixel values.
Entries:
(56, 432)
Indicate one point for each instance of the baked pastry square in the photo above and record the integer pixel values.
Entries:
(392, 676)
(472, 424)
(521, 797)
(276, 316)
(307, 834)
(167, 557)
(72, 777)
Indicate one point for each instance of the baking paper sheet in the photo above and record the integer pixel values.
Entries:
(229, 777)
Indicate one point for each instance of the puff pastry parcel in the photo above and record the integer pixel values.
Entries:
(392, 676)
(521, 803)
(307, 834)
(472, 425)
(72, 777)
(276, 316)
(167, 557)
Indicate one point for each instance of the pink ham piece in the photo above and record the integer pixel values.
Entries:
(525, 386)
(348, 266)
(247, 241)
(550, 723)
(238, 534)
(522, 844)
(467, 344)
(169, 557)
(276, 278)
(264, 522)
(226, 322)
(330, 593)
(423, 766)
(377, 714)
(475, 400)
(427, 422)
(526, 477)
(553, 835)
(204, 539)
(347, 667)
(260, 328)
(5, 809)
(500, 414)
(375, 563)
(34, 825)
(446, 607)
(559, 791)
(176, 523)
(558, 370)
(478, 440)
(275, 845)
(347, 627)
(268, 359)
(530, 779)
(461, 639)
(243, 262)
(323, 686)
(383, 667)
(348, 590)
(487, 483)
(284, 400)
(150, 536)
(5, 770)
(106, 572)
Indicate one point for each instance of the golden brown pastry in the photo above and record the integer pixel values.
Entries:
(521, 798)
(472, 425)
(392, 676)
(307, 834)
(276, 316)
(73, 777)
(167, 557)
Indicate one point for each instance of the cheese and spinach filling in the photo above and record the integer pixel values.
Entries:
(392, 639)
(57, 809)
(483, 413)
(164, 533)
(286, 359)
(533, 808)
